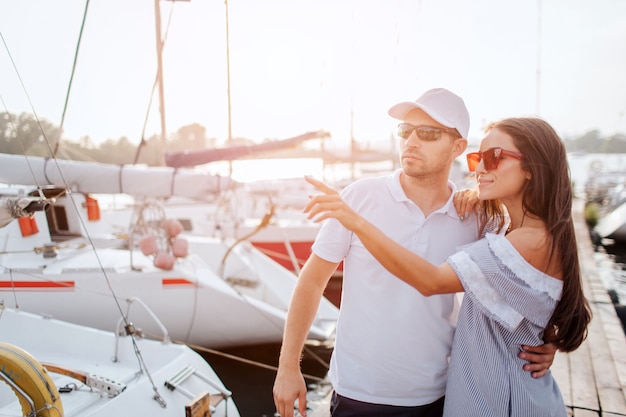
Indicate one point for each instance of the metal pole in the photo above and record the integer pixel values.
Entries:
(159, 45)
(539, 41)
(352, 141)
(230, 130)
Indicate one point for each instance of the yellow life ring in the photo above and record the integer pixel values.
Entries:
(30, 382)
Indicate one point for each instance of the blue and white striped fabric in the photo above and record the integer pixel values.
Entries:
(507, 303)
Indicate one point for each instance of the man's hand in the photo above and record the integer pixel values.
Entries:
(540, 358)
(289, 386)
(465, 201)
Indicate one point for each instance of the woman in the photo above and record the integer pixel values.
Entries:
(517, 284)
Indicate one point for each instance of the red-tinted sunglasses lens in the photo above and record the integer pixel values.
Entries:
(473, 159)
(490, 158)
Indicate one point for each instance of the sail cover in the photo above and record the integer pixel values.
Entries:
(187, 159)
(98, 178)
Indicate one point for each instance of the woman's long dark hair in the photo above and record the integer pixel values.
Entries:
(548, 195)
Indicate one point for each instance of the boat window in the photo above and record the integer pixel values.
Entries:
(187, 225)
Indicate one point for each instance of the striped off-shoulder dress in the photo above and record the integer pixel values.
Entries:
(507, 303)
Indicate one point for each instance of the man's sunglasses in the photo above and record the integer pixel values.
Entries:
(425, 133)
(490, 157)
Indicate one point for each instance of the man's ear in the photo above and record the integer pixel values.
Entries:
(460, 145)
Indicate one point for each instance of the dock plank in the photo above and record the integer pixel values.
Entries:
(608, 385)
(596, 371)
(560, 370)
(582, 380)
(585, 413)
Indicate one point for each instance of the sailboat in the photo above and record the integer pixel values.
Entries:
(90, 282)
(78, 263)
(53, 368)
(68, 261)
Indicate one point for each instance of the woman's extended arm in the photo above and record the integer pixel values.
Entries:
(427, 278)
(409, 267)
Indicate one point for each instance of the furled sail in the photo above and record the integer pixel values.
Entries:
(93, 177)
(188, 159)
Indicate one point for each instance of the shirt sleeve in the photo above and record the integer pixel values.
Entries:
(333, 239)
(503, 284)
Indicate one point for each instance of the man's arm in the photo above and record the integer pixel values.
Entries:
(289, 384)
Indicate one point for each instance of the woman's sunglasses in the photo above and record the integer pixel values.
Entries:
(425, 133)
(490, 157)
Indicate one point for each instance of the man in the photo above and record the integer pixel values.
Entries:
(393, 344)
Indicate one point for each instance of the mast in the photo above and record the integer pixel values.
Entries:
(229, 139)
(159, 45)
(352, 141)
(538, 80)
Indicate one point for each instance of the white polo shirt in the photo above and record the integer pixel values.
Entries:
(393, 344)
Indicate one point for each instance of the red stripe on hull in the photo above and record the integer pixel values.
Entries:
(177, 282)
(33, 285)
(278, 252)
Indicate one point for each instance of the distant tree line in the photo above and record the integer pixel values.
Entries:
(594, 142)
(25, 135)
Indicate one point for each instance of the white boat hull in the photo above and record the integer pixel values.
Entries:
(92, 352)
(205, 299)
(613, 224)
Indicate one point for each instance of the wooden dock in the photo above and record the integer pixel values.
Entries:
(593, 378)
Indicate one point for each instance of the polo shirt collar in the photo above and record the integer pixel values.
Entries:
(393, 183)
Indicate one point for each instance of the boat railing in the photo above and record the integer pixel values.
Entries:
(175, 382)
(125, 326)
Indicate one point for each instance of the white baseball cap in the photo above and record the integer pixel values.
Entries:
(442, 105)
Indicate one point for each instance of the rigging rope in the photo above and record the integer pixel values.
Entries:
(13, 128)
(142, 143)
(69, 86)
(249, 361)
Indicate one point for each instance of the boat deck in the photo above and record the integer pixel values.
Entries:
(593, 378)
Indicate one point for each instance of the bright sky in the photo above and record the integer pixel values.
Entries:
(304, 65)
